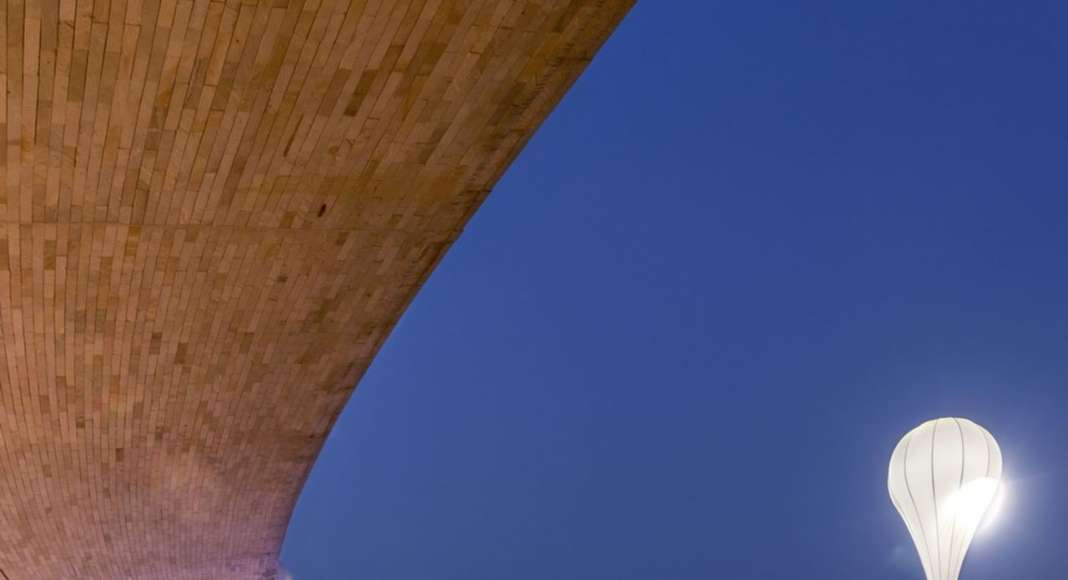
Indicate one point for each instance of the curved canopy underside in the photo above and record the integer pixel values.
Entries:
(212, 214)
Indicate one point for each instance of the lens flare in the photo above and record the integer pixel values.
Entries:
(969, 503)
(996, 507)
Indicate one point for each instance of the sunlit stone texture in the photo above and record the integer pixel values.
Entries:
(213, 213)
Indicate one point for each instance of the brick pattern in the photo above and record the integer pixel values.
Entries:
(213, 213)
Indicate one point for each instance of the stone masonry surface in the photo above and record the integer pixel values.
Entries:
(212, 214)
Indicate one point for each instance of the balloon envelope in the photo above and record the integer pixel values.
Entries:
(943, 477)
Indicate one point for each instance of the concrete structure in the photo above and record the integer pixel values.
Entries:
(212, 215)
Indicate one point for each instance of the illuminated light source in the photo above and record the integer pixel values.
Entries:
(944, 475)
(995, 508)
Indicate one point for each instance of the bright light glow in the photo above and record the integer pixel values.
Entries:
(995, 509)
(969, 503)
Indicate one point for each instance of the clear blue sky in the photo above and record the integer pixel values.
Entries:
(755, 244)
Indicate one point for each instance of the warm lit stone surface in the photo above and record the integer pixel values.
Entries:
(212, 215)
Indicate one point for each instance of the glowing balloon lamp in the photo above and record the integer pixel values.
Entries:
(944, 475)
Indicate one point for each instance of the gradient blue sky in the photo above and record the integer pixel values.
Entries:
(755, 244)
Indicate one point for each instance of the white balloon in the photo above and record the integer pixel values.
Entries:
(943, 477)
